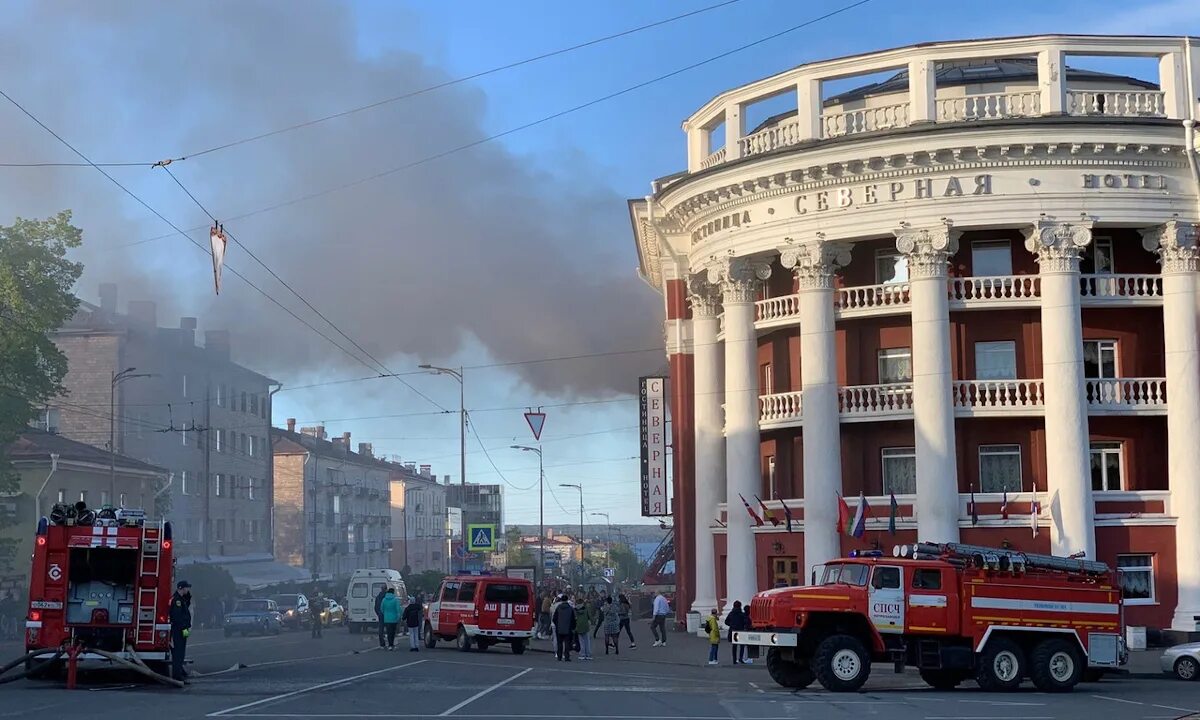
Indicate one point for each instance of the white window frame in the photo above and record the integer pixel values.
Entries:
(901, 267)
(83, 496)
(218, 483)
(185, 387)
(121, 498)
(1002, 450)
(990, 245)
(896, 453)
(1149, 570)
(992, 346)
(219, 439)
(183, 482)
(772, 491)
(104, 498)
(62, 495)
(220, 395)
(1103, 448)
(1100, 349)
(183, 436)
(250, 488)
(250, 445)
(1105, 242)
(768, 374)
(893, 353)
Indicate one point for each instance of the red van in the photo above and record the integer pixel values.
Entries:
(481, 610)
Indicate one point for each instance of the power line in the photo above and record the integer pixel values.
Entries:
(493, 462)
(525, 126)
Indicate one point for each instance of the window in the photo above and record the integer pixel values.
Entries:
(785, 571)
(505, 592)
(1098, 258)
(1100, 359)
(183, 437)
(899, 470)
(895, 365)
(999, 468)
(250, 488)
(183, 383)
(450, 592)
(1106, 465)
(219, 530)
(183, 483)
(62, 495)
(766, 379)
(927, 579)
(48, 420)
(991, 258)
(219, 484)
(251, 442)
(83, 496)
(1137, 578)
(890, 267)
(996, 360)
(772, 491)
(358, 590)
(886, 578)
(219, 439)
(220, 396)
(243, 408)
(104, 498)
(121, 500)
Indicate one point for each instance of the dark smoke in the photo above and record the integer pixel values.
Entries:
(532, 258)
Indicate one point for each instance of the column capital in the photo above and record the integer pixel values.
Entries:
(1175, 243)
(739, 277)
(704, 296)
(814, 262)
(928, 248)
(1058, 244)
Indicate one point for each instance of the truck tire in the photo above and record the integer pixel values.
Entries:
(1001, 666)
(788, 673)
(518, 647)
(430, 638)
(942, 679)
(1056, 666)
(841, 663)
(463, 640)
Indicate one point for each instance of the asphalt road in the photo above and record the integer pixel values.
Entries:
(345, 676)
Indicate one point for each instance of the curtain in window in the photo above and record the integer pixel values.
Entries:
(899, 474)
(1000, 472)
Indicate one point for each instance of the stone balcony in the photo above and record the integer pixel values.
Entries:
(971, 398)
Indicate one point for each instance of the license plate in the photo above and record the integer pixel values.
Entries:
(504, 621)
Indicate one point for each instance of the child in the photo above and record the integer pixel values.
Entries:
(713, 627)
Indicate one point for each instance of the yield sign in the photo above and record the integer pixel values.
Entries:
(536, 420)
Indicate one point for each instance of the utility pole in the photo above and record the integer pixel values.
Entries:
(539, 568)
(117, 378)
(205, 439)
(462, 444)
(580, 489)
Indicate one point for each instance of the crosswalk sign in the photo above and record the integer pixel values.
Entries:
(481, 537)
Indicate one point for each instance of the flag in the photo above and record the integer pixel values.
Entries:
(757, 520)
(860, 517)
(892, 513)
(843, 524)
(1035, 509)
(1004, 506)
(767, 512)
(972, 508)
(787, 513)
(216, 237)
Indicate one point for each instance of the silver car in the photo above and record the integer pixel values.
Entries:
(1183, 661)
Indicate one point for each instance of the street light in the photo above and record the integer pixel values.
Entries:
(580, 489)
(607, 523)
(539, 568)
(117, 379)
(462, 443)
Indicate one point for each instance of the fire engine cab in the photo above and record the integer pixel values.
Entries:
(101, 580)
(481, 610)
(953, 611)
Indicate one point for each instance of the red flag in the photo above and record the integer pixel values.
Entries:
(843, 514)
(787, 513)
(767, 512)
(757, 520)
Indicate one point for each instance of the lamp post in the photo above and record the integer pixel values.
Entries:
(540, 568)
(462, 443)
(117, 379)
(580, 489)
(607, 525)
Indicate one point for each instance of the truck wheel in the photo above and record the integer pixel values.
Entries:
(1186, 668)
(788, 673)
(1056, 666)
(841, 663)
(430, 638)
(1001, 666)
(463, 641)
(518, 647)
(942, 679)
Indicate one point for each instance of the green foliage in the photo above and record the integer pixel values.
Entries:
(35, 298)
(516, 554)
(426, 582)
(625, 560)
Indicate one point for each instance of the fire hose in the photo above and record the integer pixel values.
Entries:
(31, 671)
(137, 665)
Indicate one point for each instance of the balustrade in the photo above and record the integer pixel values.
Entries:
(780, 408)
(866, 401)
(989, 106)
(864, 120)
(781, 135)
(864, 299)
(1145, 103)
(973, 397)
(1003, 289)
(1107, 288)
(1126, 395)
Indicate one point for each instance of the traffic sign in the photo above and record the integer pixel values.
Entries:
(610, 572)
(536, 420)
(481, 537)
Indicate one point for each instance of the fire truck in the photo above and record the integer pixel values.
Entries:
(953, 611)
(101, 582)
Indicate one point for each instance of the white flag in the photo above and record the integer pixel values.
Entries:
(1035, 509)
(216, 237)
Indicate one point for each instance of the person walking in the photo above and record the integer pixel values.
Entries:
(379, 614)
(181, 626)
(625, 610)
(658, 626)
(412, 621)
(612, 626)
(738, 620)
(583, 624)
(390, 608)
(316, 610)
(544, 618)
(564, 629)
(713, 627)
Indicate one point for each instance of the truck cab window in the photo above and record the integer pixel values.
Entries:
(927, 579)
(886, 578)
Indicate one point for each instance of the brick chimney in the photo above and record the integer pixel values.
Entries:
(366, 449)
(108, 298)
(188, 327)
(317, 431)
(144, 313)
(217, 343)
(291, 425)
(411, 467)
(346, 441)
(426, 470)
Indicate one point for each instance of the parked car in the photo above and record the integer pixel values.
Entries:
(333, 614)
(254, 616)
(295, 610)
(1183, 661)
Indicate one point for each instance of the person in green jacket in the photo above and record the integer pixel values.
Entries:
(390, 608)
(583, 626)
(713, 627)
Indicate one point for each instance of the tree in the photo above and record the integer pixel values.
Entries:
(625, 560)
(35, 298)
(516, 554)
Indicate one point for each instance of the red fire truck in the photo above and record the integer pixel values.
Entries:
(481, 610)
(953, 611)
(101, 580)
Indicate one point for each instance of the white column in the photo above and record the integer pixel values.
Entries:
(740, 279)
(710, 442)
(808, 106)
(928, 250)
(1175, 243)
(735, 128)
(1052, 80)
(1172, 79)
(922, 91)
(1068, 473)
(814, 264)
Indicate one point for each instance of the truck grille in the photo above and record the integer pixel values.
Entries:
(760, 611)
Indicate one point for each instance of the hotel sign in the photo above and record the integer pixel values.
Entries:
(843, 198)
(653, 400)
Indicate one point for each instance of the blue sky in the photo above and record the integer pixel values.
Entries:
(129, 81)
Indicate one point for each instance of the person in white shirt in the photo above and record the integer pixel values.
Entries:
(659, 626)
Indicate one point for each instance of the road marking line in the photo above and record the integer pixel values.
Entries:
(1172, 707)
(481, 693)
(556, 716)
(986, 717)
(1120, 700)
(730, 683)
(303, 691)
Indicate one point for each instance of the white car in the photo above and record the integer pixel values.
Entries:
(1183, 661)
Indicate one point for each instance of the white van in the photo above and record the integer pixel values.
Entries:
(360, 595)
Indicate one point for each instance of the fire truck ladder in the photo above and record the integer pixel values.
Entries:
(147, 589)
(980, 556)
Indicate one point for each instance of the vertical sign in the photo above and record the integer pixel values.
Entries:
(654, 446)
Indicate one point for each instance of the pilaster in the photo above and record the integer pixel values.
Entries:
(705, 300)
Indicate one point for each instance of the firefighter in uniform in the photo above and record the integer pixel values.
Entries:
(316, 609)
(181, 627)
